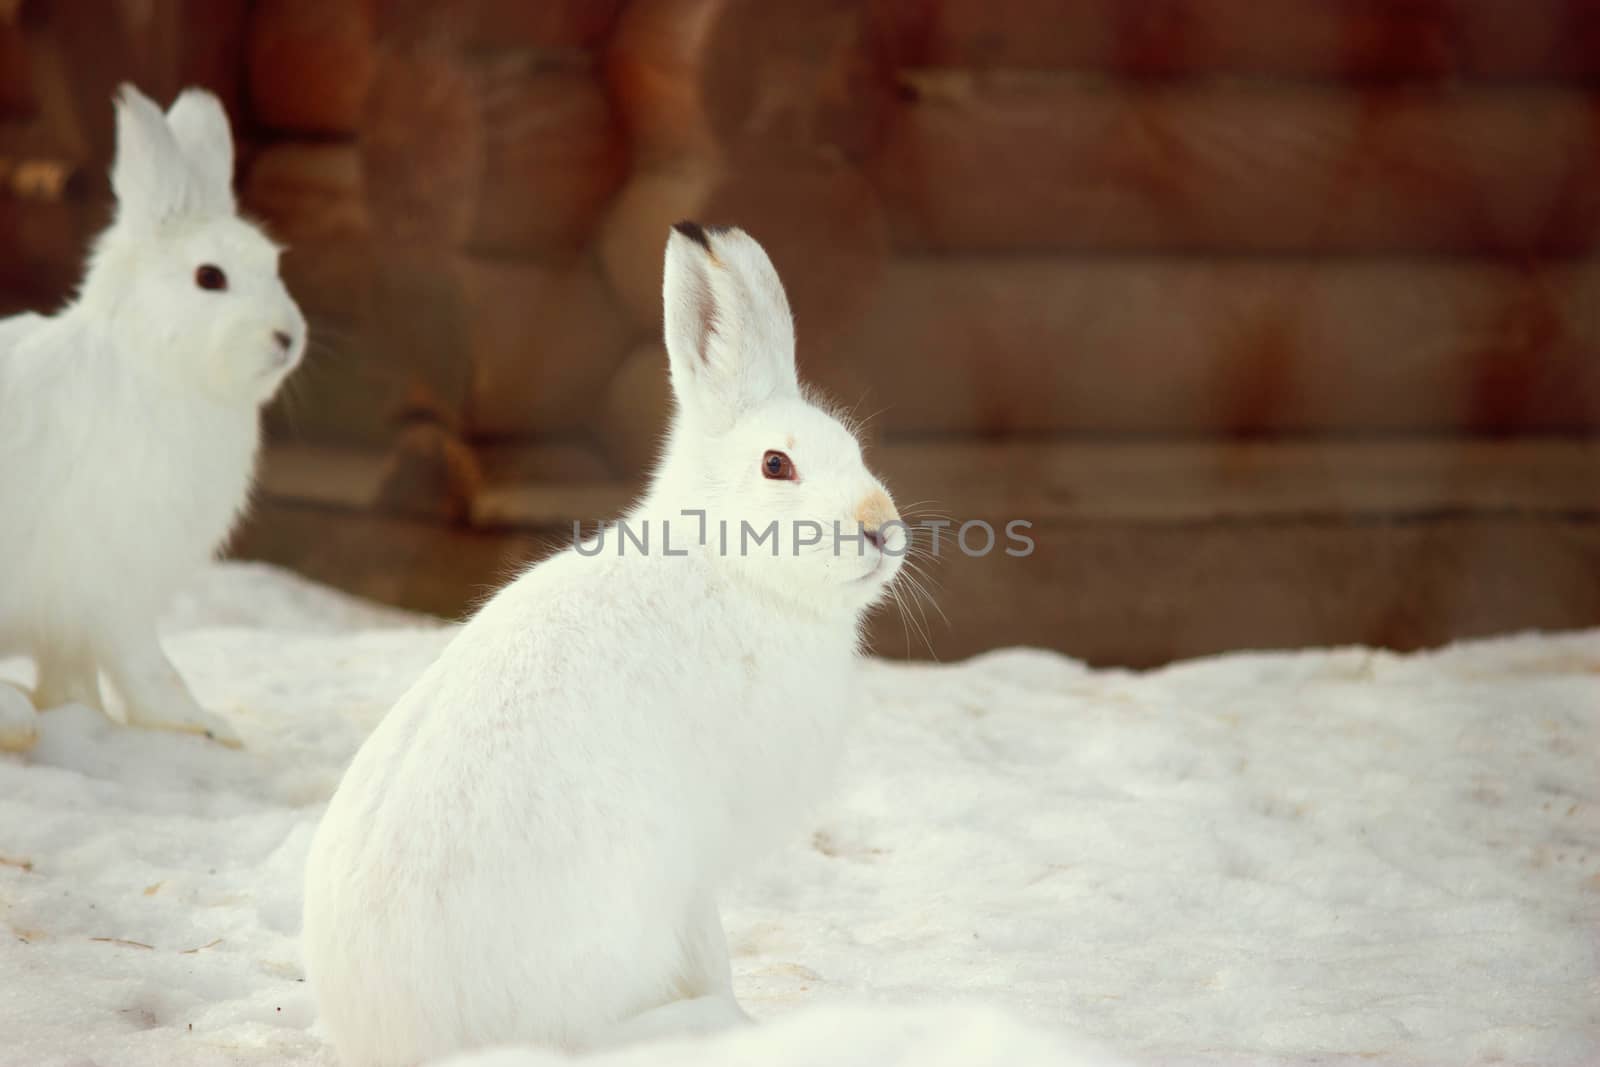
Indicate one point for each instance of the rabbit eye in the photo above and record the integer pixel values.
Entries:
(778, 467)
(210, 276)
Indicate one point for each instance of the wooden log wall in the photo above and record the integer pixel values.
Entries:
(1050, 216)
(1086, 221)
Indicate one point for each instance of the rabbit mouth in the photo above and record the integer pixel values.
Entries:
(877, 569)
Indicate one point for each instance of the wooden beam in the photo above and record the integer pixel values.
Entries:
(1046, 161)
(1178, 346)
(1142, 554)
(1055, 482)
(1473, 39)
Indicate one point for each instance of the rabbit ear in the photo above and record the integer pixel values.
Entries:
(150, 177)
(729, 334)
(200, 126)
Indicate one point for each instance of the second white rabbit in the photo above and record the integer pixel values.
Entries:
(529, 846)
(129, 422)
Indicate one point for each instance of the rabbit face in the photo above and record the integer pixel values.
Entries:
(789, 502)
(804, 513)
(206, 304)
(179, 280)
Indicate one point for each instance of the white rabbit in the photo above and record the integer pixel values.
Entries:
(527, 847)
(129, 421)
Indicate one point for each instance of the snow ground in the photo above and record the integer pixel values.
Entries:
(1325, 857)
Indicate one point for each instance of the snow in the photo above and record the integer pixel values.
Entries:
(1334, 857)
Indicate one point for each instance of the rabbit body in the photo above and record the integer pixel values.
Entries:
(527, 848)
(131, 421)
(111, 518)
(612, 818)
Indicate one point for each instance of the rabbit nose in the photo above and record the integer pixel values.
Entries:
(874, 536)
(283, 339)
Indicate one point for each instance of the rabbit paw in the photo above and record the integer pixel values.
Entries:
(185, 716)
(19, 725)
(66, 680)
(695, 1016)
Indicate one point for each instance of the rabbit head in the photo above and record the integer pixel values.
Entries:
(179, 278)
(782, 476)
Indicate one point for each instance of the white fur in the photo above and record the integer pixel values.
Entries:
(528, 846)
(129, 421)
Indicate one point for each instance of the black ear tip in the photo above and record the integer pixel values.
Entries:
(694, 232)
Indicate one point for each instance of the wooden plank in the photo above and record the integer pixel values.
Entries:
(1481, 39)
(1141, 595)
(1041, 162)
(311, 63)
(1053, 482)
(1196, 345)
(430, 567)
(1125, 594)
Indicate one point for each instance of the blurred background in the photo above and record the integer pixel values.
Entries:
(1278, 320)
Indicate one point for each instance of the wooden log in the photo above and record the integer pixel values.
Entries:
(1182, 346)
(79, 51)
(696, 76)
(541, 342)
(184, 43)
(635, 413)
(48, 217)
(431, 474)
(16, 76)
(422, 148)
(1041, 162)
(312, 198)
(427, 566)
(637, 407)
(311, 63)
(1171, 550)
(1487, 39)
(547, 26)
(308, 191)
(633, 237)
(389, 342)
(46, 245)
(652, 65)
(548, 461)
(495, 152)
(348, 479)
(1144, 595)
(1055, 481)
(821, 225)
(553, 156)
